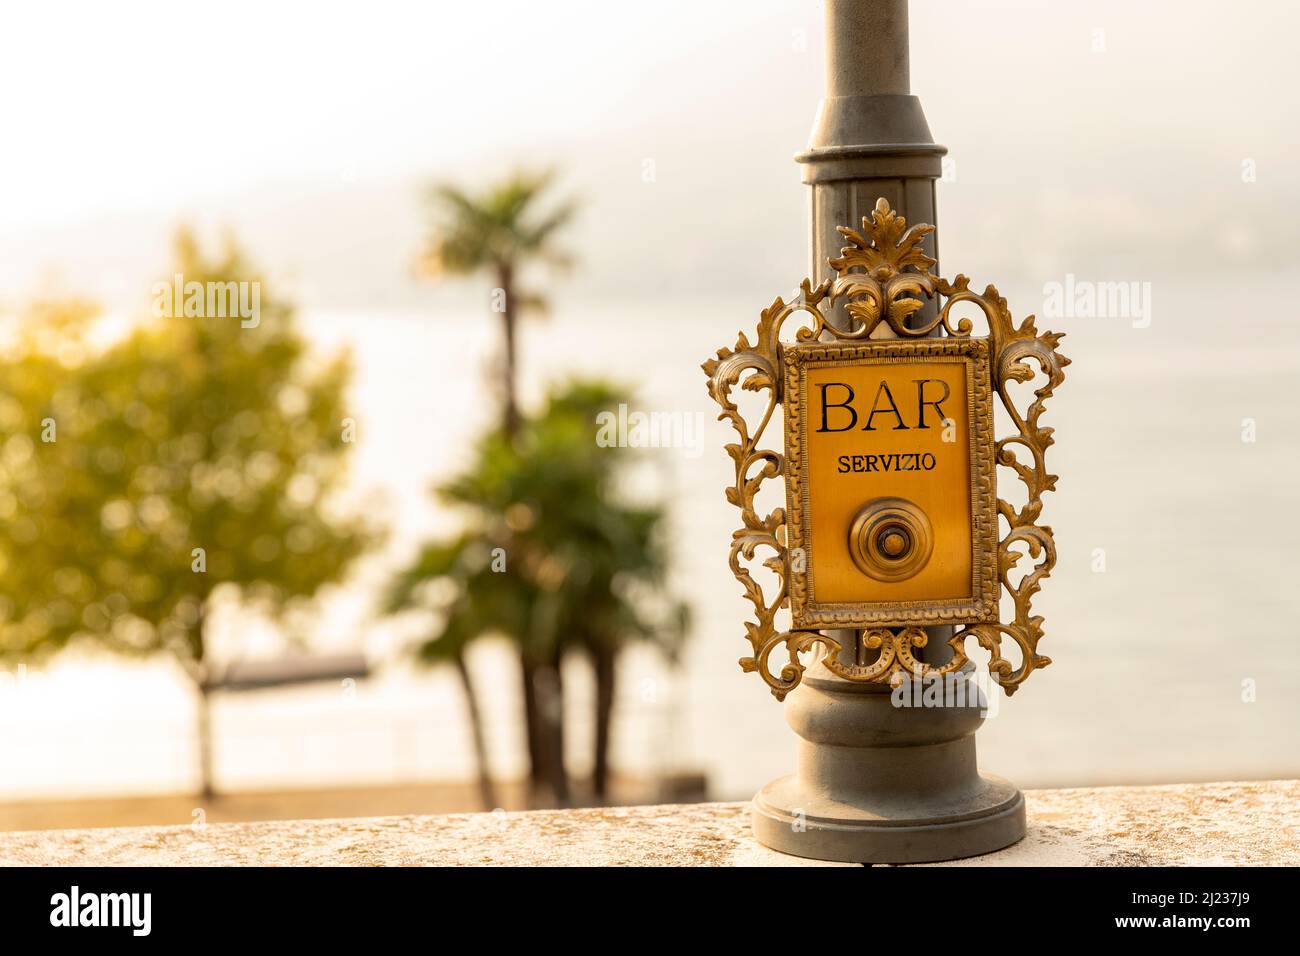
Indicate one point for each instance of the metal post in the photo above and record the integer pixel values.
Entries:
(870, 138)
(875, 783)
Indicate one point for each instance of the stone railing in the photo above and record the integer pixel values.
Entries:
(1208, 824)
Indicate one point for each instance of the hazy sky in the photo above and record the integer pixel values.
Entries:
(309, 129)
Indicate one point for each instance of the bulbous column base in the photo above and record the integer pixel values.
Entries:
(877, 783)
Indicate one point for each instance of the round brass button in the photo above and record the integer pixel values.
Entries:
(895, 542)
(890, 539)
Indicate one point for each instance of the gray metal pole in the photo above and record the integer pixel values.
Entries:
(867, 48)
(875, 783)
(870, 138)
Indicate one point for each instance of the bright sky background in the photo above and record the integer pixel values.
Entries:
(160, 106)
(310, 129)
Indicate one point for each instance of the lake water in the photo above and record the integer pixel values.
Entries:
(1198, 598)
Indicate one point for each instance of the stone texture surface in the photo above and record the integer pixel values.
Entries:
(1216, 823)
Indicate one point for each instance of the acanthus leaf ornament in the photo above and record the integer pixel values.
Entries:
(883, 276)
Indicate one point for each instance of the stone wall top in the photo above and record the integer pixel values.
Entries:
(1207, 824)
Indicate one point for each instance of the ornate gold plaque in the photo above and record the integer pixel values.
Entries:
(890, 483)
(887, 525)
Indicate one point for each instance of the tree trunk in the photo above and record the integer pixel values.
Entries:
(509, 316)
(532, 728)
(604, 658)
(533, 724)
(551, 705)
(485, 789)
(197, 667)
(204, 731)
(545, 741)
(544, 717)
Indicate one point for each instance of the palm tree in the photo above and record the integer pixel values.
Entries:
(585, 569)
(499, 232)
(612, 551)
(589, 567)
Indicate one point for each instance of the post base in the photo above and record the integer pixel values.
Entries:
(877, 783)
(996, 819)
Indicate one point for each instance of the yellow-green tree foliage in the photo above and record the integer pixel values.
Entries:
(186, 433)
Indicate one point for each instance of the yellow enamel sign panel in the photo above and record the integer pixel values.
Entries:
(891, 497)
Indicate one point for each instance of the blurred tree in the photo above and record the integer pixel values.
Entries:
(555, 557)
(194, 460)
(501, 231)
(599, 559)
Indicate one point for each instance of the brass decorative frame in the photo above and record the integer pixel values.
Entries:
(982, 606)
(883, 278)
